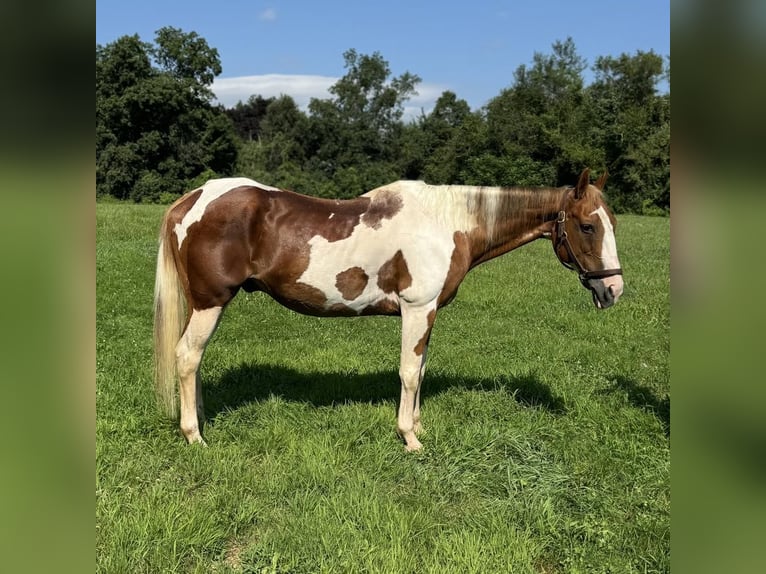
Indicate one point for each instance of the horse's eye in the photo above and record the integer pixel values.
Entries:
(586, 228)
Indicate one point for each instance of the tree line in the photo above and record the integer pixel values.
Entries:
(159, 132)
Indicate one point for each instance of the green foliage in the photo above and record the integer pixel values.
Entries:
(633, 125)
(453, 136)
(488, 169)
(542, 130)
(546, 445)
(155, 127)
(355, 135)
(541, 118)
(284, 136)
(188, 58)
(150, 186)
(156, 130)
(247, 116)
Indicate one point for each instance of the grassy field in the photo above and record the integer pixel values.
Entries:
(547, 427)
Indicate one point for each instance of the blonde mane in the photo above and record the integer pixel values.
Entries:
(464, 207)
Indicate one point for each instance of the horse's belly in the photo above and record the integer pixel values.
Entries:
(309, 300)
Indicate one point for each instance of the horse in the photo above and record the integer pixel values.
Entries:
(401, 249)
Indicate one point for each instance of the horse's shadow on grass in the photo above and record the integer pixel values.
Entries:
(249, 383)
(643, 397)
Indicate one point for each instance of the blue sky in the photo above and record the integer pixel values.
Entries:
(471, 48)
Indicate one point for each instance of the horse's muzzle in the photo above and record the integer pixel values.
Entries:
(605, 291)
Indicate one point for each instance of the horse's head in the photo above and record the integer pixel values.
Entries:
(583, 239)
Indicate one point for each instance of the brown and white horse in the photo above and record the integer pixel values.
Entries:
(401, 249)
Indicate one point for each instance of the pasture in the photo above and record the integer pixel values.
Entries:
(546, 444)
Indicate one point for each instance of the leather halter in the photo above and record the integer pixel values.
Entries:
(584, 274)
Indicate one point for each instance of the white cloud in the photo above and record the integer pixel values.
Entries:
(268, 15)
(424, 101)
(302, 88)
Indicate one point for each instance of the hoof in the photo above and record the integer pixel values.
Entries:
(413, 446)
(411, 442)
(195, 438)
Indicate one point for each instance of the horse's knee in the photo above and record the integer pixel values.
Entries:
(409, 375)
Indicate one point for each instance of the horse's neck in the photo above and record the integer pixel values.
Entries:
(522, 216)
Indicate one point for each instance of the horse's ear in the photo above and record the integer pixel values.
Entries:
(602, 180)
(582, 183)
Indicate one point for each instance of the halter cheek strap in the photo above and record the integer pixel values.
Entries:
(584, 274)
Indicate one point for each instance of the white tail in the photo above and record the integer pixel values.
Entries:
(168, 317)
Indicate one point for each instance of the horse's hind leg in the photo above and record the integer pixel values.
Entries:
(189, 353)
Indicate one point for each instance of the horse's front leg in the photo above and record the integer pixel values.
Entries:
(416, 331)
(417, 426)
(189, 353)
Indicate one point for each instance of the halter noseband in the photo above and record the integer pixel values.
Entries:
(584, 274)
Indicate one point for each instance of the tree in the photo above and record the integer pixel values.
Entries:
(361, 125)
(632, 124)
(284, 132)
(247, 117)
(121, 64)
(187, 57)
(541, 130)
(156, 128)
(452, 134)
(538, 121)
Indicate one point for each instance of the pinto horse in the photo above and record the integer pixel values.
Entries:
(401, 249)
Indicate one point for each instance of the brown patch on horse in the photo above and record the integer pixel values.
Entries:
(384, 205)
(266, 247)
(382, 307)
(393, 275)
(345, 219)
(311, 216)
(175, 215)
(308, 217)
(340, 310)
(215, 253)
(182, 205)
(420, 348)
(302, 298)
(351, 282)
(460, 263)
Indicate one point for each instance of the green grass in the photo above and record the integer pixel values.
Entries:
(547, 427)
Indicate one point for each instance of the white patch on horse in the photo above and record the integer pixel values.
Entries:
(613, 284)
(452, 205)
(211, 191)
(426, 247)
(609, 243)
(331, 216)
